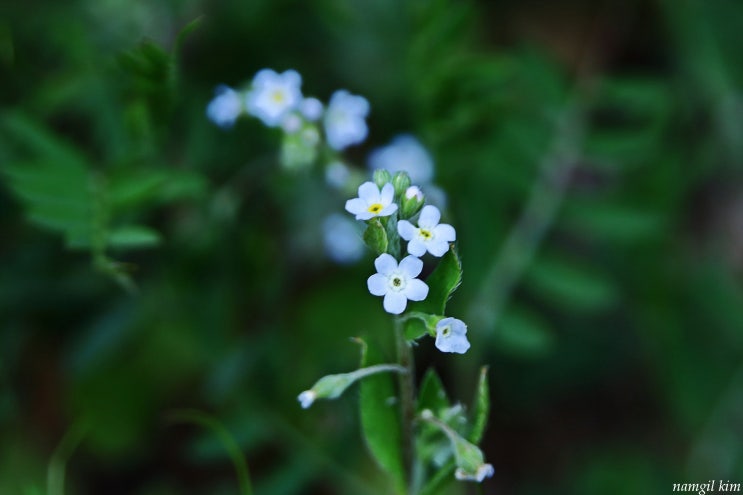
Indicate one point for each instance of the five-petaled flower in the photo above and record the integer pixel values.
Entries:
(225, 107)
(397, 283)
(372, 202)
(430, 235)
(451, 336)
(345, 122)
(274, 95)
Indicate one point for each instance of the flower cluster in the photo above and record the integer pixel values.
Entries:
(276, 99)
(395, 211)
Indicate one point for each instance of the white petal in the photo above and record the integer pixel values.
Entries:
(453, 343)
(388, 210)
(369, 192)
(446, 232)
(292, 77)
(416, 247)
(406, 229)
(377, 284)
(395, 302)
(438, 247)
(416, 290)
(388, 194)
(429, 218)
(411, 266)
(365, 215)
(356, 206)
(385, 264)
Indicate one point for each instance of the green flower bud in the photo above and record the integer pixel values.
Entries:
(411, 201)
(382, 177)
(375, 236)
(401, 181)
(332, 386)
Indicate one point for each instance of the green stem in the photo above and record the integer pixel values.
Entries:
(55, 477)
(407, 399)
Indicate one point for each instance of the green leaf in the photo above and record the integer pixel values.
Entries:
(441, 284)
(133, 237)
(375, 236)
(481, 408)
(572, 285)
(380, 421)
(521, 332)
(617, 223)
(432, 394)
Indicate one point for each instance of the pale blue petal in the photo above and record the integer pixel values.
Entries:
(445, 232)
(438, 247)
(385, 264)
(411, 266)
(388, 210)
(416, 290)
(377, 284)
(365, 215)
(406, 229)
(356, 206)
(388, 194)
(395, 302)
(416, 247)
(369, 192)
(429, 218)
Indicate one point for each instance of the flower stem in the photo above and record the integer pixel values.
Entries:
(407, 399)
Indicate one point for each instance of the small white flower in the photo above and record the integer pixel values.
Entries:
(430, 235)
(372, 202)
(311, 108)
(225, 107)
(345, 122)
(397, 283)
(291, 123)
(451, 336)
(306, 398)
(274, 95)
(414, 192)
(483, 471)
(343, 241)
(404, 154)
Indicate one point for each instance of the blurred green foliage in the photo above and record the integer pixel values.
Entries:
(591, 152)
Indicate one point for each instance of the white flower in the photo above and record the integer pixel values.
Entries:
(345, 122)
(274, 95)
(306, 398)
(343, 241)
(414, 192)
(430, 235)
(372, 202)
(397, 283)
(483, 471)
(404, 154)
(311, 108)
(225, 107)
(451, 336)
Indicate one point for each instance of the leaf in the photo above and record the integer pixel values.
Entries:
(481, 408)
(380, 421)
(432, 394)
(441, 284)
(133, 237)
(521, 332)
(572, 285)
(617, 223)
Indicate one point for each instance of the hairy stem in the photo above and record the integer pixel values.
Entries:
(407, 398)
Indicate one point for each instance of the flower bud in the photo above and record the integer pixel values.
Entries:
(401, 181)
(332, 386)
(411, 202)
(382, 177)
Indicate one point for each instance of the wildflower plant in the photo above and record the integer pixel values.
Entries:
(420, 440)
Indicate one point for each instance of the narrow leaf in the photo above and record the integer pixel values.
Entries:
(380, 421)
(133, 236)
(432, 394)
(441, 284)
(481, 408)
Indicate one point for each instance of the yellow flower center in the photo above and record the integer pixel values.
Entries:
(277, 96)
(426, 234)
(446, 331)
(397, 281)
(375, 208)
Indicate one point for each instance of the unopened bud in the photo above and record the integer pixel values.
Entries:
(401, 181)
(382, 177)
(411, 202)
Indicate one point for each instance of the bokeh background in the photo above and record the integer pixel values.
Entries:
(592, 157)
